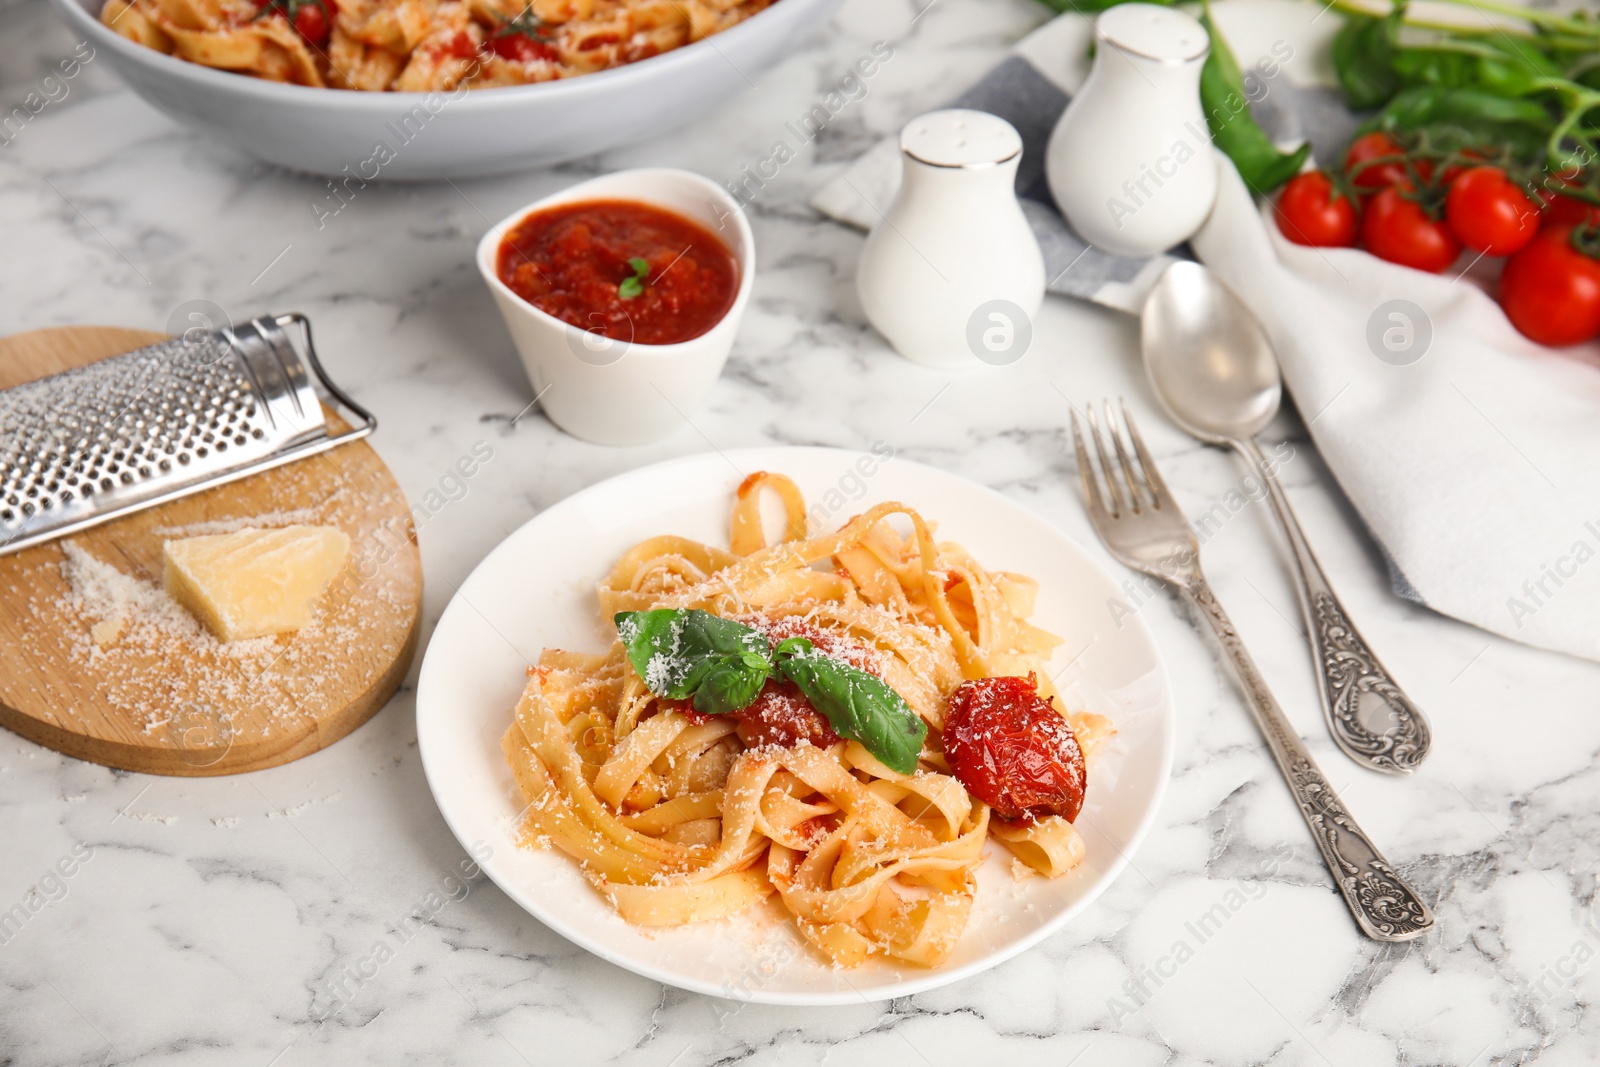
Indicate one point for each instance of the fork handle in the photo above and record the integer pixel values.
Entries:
(1396, 737)
(1384, 906)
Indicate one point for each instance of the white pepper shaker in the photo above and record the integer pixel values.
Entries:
(951, 274)
(1130, 162)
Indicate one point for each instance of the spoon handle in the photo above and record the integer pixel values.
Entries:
(1384, 906)
(1370, 717)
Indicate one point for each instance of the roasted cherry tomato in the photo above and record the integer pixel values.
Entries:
(1398, 229)
(1368, 176)
(1312, 212)
(1012, 750)
(1490, 213)
(1551, 289)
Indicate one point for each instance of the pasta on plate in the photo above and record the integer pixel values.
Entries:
(420, 45)
(782, 719)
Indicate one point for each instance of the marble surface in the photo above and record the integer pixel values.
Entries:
(236, 921)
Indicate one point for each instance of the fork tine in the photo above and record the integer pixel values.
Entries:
(1134, 482)
(1091, 484)
(1107, 469)
(1160, 495)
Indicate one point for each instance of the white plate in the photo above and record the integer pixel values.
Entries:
(536, 590)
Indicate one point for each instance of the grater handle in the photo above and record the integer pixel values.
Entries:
(367, 422)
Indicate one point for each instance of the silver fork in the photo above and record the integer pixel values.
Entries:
(1140, 523)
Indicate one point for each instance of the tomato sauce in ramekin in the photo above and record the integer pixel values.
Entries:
(621, 268)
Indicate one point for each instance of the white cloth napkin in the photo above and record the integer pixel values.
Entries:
(1472, 454)
(1474, 461)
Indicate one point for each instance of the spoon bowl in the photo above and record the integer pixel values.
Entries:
(1209, 361)
(1214, 370)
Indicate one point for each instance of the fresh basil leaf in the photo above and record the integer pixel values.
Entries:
(1453, 118)
(1513, 68)
(1433, 66)
(1233, 129)
(731, 683)
(791, 646)
(1363, 58)
(722, 665)
(860, 707)
(673, 650)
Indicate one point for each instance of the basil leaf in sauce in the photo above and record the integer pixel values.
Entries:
(731, 684)
(675, 651)
(721, 665)
(860, 707)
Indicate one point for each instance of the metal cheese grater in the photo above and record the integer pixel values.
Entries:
(161, 422)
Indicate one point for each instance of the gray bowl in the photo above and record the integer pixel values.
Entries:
(464, 134)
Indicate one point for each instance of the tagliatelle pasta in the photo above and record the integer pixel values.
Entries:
(678, 816)
(420, 45)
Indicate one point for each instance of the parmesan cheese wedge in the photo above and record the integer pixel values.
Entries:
(252, 582)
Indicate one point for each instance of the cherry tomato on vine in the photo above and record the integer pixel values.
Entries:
(1400, 230)
(1311, 212)
(1551, 289)
(1490, 213)
(1470, 157)
(1562, 210)
(1368, 176)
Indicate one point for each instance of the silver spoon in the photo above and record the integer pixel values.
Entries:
(1216, 374)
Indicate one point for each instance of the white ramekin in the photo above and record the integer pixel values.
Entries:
(621, 393)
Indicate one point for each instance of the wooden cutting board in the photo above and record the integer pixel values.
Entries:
(97, 663)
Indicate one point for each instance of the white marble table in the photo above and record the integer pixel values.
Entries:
(207, 920)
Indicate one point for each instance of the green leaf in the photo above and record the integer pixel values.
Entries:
(860, 707)
(721, 665)
(1432, 66)
(632, 287)
(731, 683)
(674, 651)
(1233, 129)
(1455, 118)
(791, 646)
(1363, 58)
(526, 23)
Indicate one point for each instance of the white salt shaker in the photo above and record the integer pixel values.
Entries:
(951, 274)
(1130, 161)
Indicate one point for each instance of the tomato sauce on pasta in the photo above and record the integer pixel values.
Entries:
(420, 46)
